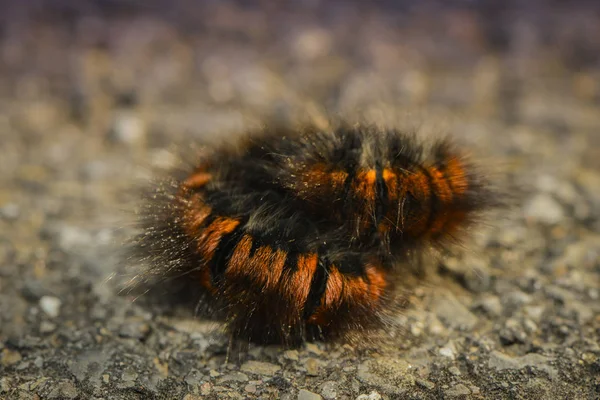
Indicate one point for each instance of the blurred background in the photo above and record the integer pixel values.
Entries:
(207, 65)
(94, 92)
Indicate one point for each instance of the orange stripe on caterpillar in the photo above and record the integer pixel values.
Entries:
(197, 180)
(364, 292)
(264, 267)
(331, 298)
(211, 236)
(315, 182)
(297, 286)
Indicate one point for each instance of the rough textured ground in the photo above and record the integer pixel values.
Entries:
(93, 93)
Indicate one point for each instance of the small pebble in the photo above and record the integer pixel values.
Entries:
(313, 348)
(10, 357)
(304, 394)
(50, 305)
(64, 390)
(134, 330)
(491, 306)
(233, 377)
(545, 209)
(425, 384)
(458, 390)
(205, 388)
(291, 355)
(47, 327)
(5, 385)
(260, 368)
(371, 396)
(329, 390)
(129, 375)
(312, 367)
(128, 128)
(447, 351)
(10, 211)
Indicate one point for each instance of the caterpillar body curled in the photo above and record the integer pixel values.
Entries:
(297, 234)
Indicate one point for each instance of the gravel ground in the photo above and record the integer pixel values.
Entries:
(93, 94)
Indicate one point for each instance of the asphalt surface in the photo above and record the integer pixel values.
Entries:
(96, 96)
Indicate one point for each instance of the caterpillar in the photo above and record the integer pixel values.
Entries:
(301, 234)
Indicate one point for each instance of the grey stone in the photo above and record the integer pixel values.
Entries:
(33, 290)
(291, 355)
(129, 375)
(64, 390)
(47, 327)
(233, 377)
(515, 299)
(50, 305)
(452, 312)
(10, 211)
(5, 384)
(501, 361)
(128, 128)
(10, 357)
(457, 390)
(304, 394)
(490, 305)
(312, 366)
(329, 390)
(544, 208)
(260, 368)
(371, 396)
(194, 378)
(390, 375)
(134, 329)
(425, 384)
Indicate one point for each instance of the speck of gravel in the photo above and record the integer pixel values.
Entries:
(194, 378)
(10, 357)
(260, 368)
(38, 362)
(452, 312)
(206, 388)
(304, 394)
(544, 208)
(64, 390)
(371, 396)
(134, 329)
(233, 377)
(50, 305)
(291, 355)
(129, 375)
(457, 390)
(329, 390)
(390, 375)
(47, 327)
(312, 366)
(501, 361)
(10, 211)
(313, 348)
(5, 385)
(490, 305)
(454, 371)
(425, 384)
(448, 351)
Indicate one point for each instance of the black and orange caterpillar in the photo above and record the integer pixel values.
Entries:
(298, 234)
